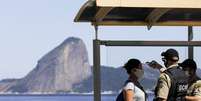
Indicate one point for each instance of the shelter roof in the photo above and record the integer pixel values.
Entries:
(141, 12)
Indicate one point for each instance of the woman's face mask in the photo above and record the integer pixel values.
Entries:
(139, 73)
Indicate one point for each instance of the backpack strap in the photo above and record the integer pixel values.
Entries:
(140, 86)
(173, 84)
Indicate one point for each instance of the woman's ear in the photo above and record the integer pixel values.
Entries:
(133, 71)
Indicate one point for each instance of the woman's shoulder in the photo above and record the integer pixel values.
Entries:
(129, 86)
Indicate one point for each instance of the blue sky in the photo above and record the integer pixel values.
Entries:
(31, 28)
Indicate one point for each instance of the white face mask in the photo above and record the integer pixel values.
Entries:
(139, 73)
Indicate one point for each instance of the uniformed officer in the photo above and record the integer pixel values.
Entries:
(172, 83)
(194, 90)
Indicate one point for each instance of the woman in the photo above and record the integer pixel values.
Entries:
(132, 90)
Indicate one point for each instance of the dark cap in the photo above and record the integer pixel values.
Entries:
(171, 54)
(189, 63)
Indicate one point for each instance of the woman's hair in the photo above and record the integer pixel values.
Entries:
(132, 63)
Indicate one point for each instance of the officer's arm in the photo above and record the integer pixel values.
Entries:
(193, 98)
(196, 93)
(128, 95)
(156, 65)
(162, 88)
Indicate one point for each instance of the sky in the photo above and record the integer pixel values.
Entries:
(31, 28)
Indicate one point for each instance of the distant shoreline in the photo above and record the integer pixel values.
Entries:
(54, 94)
(69, 94)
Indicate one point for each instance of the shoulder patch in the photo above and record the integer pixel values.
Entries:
(198, 84)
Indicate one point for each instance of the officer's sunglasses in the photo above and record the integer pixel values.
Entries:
(164, 60)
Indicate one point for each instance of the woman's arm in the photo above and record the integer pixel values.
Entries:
(193, 98)
(128, 95)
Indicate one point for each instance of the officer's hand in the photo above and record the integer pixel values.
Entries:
(154, 65)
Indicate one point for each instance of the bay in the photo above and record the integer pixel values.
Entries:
(60, 98)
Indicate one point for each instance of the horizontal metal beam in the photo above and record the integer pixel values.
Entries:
(150, 43)
(141, 23)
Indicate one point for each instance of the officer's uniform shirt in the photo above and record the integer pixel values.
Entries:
(164, 84)
(195, 89)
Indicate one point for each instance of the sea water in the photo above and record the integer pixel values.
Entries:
(60, 98)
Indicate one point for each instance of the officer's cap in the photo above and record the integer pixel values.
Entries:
(171, 54)
(189, 63)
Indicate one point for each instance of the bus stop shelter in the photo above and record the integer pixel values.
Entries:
(138, 13)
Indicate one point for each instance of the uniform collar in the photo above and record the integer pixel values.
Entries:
(174, 65)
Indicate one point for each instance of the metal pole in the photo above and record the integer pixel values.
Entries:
(190, 38)
(96, 31)
(96, 70)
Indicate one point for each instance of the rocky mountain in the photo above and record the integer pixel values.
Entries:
(112, 79)
(57, 71)
(66, 69)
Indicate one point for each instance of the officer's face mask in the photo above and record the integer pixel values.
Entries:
(187, 73)
(139, 73)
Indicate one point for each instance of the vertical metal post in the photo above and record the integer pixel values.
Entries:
(96, 31)
(190, 38)
(96, 70)
(96, 66)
